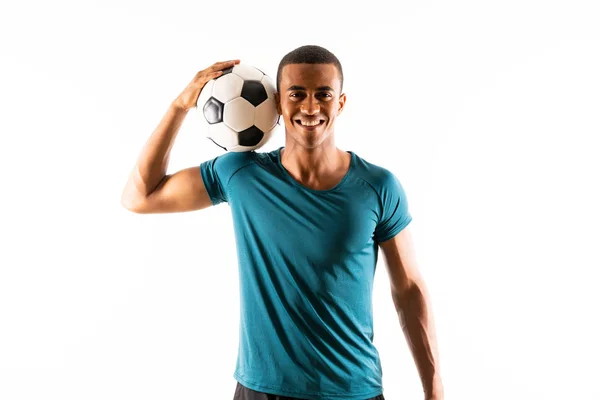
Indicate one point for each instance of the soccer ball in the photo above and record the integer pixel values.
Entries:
(239, 108)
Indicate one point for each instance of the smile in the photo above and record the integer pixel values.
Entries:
(310, 124)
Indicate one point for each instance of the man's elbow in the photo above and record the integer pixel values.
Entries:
(131, 204)
(412, 293)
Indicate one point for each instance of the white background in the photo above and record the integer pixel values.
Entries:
(486, 111)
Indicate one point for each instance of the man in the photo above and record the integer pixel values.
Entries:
(308, 220)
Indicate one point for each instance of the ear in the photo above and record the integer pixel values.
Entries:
(277, 103)
(341, 103)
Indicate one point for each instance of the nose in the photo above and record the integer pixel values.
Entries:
(310, 106)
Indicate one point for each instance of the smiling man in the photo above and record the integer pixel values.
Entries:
(309, 219)
(309, 103)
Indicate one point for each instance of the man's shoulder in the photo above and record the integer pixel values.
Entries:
(233, 160)
(374, 173)
(245, 157)
(228, 164)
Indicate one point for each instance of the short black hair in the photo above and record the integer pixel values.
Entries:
(310, 54)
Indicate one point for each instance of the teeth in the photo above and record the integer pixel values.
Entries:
(306, 123)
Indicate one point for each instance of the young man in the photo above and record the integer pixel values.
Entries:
(308, 221)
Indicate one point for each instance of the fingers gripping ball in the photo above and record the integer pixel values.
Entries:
(239, 108)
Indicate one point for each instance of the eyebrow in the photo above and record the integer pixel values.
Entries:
(295, 87)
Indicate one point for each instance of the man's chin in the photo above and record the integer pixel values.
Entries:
(310, 140)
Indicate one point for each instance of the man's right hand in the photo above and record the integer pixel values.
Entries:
(188, 98)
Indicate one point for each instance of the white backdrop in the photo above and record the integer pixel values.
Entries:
(486, 111)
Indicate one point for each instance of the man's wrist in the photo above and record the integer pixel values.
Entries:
(177, 106)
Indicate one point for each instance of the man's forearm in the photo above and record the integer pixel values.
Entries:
(417, 324)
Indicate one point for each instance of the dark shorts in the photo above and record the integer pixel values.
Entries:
(244, 393)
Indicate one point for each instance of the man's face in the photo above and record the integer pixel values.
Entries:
(309, 101)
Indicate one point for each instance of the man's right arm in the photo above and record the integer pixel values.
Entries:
(149, 189)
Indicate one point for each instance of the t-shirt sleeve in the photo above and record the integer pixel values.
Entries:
(394, 214)
(214, 180)
(217, 174)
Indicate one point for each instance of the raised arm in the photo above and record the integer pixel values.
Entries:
(149, 189)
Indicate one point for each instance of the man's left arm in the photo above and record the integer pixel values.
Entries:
(414, 311)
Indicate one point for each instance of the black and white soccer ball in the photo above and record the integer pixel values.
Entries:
(239, 108)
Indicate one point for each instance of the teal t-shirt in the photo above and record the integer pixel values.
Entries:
(306, 266)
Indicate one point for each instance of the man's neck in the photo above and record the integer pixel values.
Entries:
(315, 167)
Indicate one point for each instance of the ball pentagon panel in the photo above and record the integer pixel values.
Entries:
(250, 137)
(254, 92)
(213, 111)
